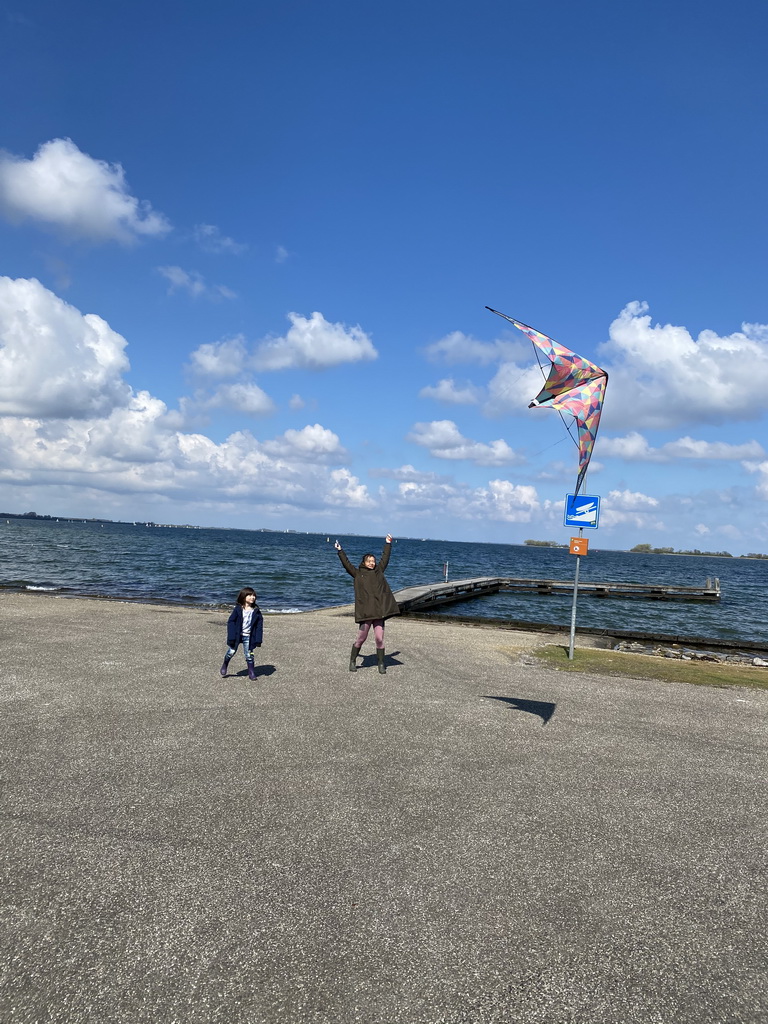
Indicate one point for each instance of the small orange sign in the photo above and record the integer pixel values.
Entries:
(579, 546)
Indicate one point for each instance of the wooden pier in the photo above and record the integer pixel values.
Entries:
(433, 595)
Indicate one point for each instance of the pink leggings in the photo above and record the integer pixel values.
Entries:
(378, 633)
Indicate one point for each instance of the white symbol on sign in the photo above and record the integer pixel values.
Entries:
(583, 513)
(581, 510)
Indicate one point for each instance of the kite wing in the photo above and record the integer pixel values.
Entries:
(574, 385)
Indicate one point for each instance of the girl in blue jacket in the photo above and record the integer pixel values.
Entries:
(244, 626)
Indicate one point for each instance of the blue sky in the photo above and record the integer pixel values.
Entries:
(246, 249)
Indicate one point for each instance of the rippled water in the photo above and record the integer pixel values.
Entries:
(294, 572)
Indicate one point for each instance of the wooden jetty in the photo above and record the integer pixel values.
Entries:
(432, 595)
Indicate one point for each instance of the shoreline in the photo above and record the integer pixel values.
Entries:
(589, 637)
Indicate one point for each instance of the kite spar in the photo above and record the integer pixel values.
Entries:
(574, 385)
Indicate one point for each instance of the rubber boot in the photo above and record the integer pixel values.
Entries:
(223, 669)
(352, 658)
(251, 670)
(380, 659)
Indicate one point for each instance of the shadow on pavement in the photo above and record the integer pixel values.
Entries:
(543, 708)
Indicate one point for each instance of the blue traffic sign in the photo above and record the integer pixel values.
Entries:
(582, 510)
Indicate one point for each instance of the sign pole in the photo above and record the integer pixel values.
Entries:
(573, 606)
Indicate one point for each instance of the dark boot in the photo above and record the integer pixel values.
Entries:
(251, 670)
(223, 669)
(352, 658)
(380, 659)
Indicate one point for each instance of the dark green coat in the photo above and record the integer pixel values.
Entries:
(373, 598)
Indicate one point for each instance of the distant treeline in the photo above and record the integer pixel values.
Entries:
(73, 519)
(646, 549)
(55, 519)
(545, 544)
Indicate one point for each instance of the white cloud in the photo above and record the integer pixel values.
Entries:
(635, 448)
(761, 470)
(444, 441)
(662, 377)
(83, 197)
(296, 402)
(458, 347)
(629, 500)
(138, 451)
(281, 254)
(53, 360)
(314, 344)
(312, 443)
(631, 508)
(446, 391)
(514, 503)
(194, 284)
(245, 398)
(512, 388)
(347, 490)
(222, 359)
(498, 501)
(69, 421)
(406, 473)
(210, 239)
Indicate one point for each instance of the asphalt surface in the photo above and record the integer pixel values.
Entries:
(468, 839)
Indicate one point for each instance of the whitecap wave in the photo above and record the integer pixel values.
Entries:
(284, 611)
(30, 586)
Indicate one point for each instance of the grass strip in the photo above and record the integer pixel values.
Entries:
(645, 666)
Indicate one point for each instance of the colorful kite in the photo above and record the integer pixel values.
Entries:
(574, 385)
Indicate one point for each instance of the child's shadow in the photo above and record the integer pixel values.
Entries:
(261, 670)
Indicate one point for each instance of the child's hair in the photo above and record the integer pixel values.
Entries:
(245, 592)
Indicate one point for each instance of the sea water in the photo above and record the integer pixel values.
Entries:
(295, 572)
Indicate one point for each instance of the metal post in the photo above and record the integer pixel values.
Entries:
(445, 571)
(573, 607)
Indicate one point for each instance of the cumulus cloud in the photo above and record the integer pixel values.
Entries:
(347, 490)
(226, 358)
(760, 469)
(247, 398)
(82, 197)
(139, 451)
(312, 443)
(193, 283)
(660, 376)
(407, 473)
(498, 501)
(635, 448)
(296, 402)
(512, 388)
(444, 441)
(630, 508)
(513, 503)
(314, 344)
(458, 347)
(311, 344)
(446, 391)
(69, 421)
(210, 239)
(629, 500)
(55, 361)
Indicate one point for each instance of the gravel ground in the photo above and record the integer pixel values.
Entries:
(468, 839)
